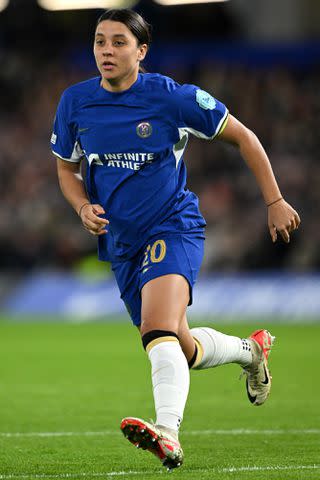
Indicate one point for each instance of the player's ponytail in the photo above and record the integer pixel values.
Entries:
(133, 21)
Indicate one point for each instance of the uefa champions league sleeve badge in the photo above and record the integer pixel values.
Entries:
(205, 100)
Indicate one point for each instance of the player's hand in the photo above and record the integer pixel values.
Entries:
(282, 218)
(91, 220)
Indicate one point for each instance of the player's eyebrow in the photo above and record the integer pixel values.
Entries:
(115, 35)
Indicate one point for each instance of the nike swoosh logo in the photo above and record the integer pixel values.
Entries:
(251, 398)
(266, 379)
(81, 130)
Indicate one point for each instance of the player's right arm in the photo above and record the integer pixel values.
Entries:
(68, 152)
(73, 189)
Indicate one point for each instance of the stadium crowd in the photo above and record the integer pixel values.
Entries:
(282, 106)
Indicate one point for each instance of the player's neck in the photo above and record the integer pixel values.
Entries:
(119, 85)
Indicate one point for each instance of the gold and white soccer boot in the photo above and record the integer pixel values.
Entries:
(258, 380)
(154, 439)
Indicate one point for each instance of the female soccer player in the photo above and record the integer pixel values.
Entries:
(132, 128)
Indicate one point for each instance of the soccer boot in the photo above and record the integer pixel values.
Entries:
(258, 382)
(149, 437)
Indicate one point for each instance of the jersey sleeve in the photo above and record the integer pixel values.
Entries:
(200, 113)
(64, 142)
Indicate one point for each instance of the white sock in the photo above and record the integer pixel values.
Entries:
(219, 349)
(170, 380)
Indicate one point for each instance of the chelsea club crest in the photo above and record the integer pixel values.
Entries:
(144, 129)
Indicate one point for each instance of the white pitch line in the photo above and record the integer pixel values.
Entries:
(253, 468)
(58, 434)
(72, 475)
(234, 431)
(245, 431)
(271, 467)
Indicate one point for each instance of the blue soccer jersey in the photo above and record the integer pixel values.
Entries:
(134, 142)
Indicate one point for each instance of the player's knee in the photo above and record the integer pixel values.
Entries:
(154, 322)
(155, 337)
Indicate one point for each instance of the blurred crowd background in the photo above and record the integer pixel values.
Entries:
(269, 79)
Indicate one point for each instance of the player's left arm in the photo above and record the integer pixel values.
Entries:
(281, 216)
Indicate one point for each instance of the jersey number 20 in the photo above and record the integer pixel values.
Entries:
(155, 252)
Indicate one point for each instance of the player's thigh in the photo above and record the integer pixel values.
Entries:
(164, 303)
(168, 272)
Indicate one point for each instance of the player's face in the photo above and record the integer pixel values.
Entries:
(117, 55)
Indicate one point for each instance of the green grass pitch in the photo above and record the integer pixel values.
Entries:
(65, 387)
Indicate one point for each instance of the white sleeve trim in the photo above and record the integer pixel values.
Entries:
(66, 159)
(221, 122)
(76, 156)
(198, 134)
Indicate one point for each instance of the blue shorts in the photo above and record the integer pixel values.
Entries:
(180, 253)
